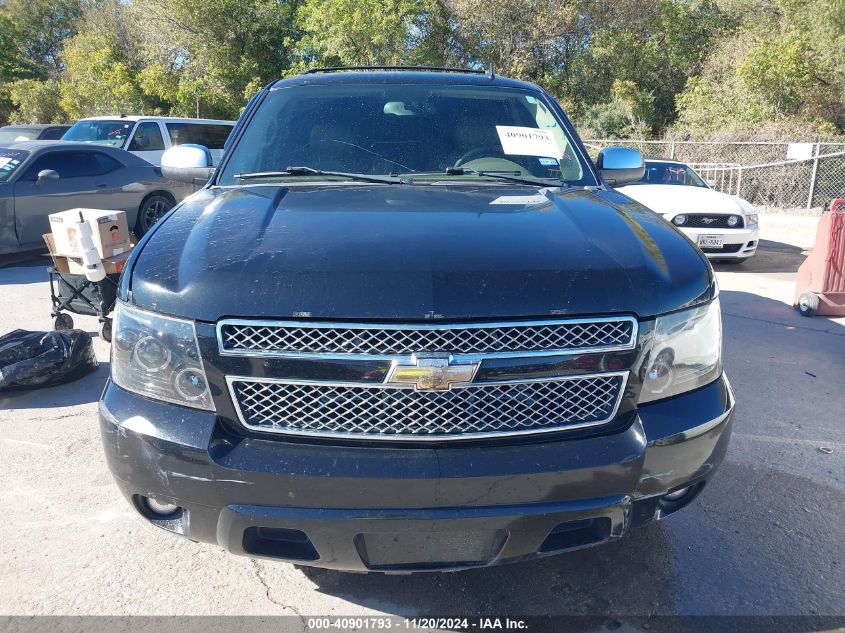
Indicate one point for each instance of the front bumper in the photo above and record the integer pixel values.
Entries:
(737, 243)
(387, 508)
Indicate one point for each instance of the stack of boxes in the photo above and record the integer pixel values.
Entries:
(110, 234)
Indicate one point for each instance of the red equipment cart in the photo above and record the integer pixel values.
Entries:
(820, 288)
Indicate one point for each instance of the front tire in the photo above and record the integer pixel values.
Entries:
(152, 209)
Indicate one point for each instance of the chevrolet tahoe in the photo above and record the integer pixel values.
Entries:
(409, 325)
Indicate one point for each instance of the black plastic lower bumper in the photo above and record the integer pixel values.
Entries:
(405, 508)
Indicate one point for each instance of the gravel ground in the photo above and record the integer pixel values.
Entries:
(765, 538)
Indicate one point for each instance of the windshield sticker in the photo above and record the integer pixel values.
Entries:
(547, 161)
(528, 201)
(527, 141)
(8, 164)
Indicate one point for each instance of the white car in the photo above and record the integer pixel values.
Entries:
(149, 136)
(724, 227)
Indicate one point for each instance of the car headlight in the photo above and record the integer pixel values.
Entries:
(679, 220)
(158, 356)
(734, 220)
(686, 352)
(750, 219)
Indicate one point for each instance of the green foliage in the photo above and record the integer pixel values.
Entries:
(622, 68)
(13, 64)
(628, 114)
(98, 79)
(36, 101)
(777, 69)
(362, 32)
(44, 26)
(525, 39)
(216, 53)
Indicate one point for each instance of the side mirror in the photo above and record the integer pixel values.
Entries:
(187, 163)
(46, 175)
(620, 165)
(710, 183)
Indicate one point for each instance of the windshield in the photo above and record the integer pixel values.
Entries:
(657, 173)
(10, 160)
(112, 133)
(12, 134)
(405, 129)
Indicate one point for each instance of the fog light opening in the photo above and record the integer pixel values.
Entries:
(160, 509)
(677, 495)
(680, 498)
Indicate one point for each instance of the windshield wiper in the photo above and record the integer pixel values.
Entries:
(511, 176)
(310, 171)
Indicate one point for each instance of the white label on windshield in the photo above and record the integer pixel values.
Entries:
(521, 200)
(527, 141)
(4, 160)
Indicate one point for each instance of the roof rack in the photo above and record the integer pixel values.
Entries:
(441, 69)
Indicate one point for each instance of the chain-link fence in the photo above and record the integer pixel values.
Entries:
(772, 174)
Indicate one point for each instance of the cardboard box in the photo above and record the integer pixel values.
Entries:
(112, 265)
(110, 232)
(73, 265)
(59, 261)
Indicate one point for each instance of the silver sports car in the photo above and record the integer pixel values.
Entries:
(38, 178)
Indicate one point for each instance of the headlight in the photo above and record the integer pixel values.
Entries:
(734, 220)
(679, 220)
(751, 219)
(158, 357)
(686, 352)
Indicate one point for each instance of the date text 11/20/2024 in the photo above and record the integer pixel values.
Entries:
(424, 624)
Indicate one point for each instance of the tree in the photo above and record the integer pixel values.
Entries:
(362, 32)
(45, 27)
(627, 114)
(98, 79)
(216, 53)
(655, 44)
(525, 39)
(775, 69)
(36, 101)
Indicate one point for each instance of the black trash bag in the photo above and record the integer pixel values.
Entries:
(29, 360)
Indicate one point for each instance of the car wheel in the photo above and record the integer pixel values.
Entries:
(63, 322)
(808, 304)
(151, 211)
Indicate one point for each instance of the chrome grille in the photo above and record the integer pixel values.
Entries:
(387, 412)
(336, 339)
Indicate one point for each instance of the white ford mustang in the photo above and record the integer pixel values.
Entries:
(724, 227)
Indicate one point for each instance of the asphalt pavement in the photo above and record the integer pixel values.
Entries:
(765, 538)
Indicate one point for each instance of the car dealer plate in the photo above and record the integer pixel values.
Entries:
(710, 241)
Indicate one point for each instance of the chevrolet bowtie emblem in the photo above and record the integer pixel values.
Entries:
(435, 373)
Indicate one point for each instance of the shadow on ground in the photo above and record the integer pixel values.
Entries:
(739, 549)
(771, 257)
(24, 272)
(86, 389)
(587, 582)
(764, 538)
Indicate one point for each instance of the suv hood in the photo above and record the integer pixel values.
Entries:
(413, 252)
(674, 199)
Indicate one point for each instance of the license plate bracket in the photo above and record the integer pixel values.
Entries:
(422, 548)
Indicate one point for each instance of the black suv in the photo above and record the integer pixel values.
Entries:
(408, 325)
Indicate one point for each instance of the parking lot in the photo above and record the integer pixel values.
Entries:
(764, 538)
